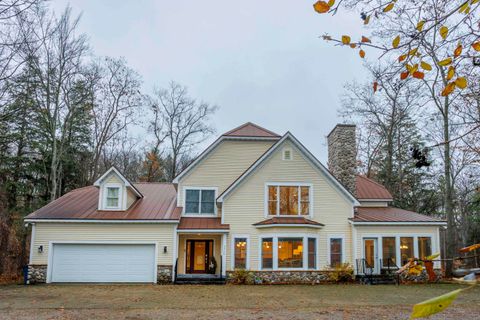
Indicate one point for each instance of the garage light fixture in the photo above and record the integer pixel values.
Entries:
(40, 249)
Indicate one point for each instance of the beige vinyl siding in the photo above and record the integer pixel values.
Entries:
(373, 203)
(113, 178)
(245, 205)
(224, 164)
(163, 234)
(393, 231)
(131, 198)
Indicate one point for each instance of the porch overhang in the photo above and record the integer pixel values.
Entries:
(288, 222)
(202, 225)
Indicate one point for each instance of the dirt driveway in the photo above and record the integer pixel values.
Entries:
(226, 302)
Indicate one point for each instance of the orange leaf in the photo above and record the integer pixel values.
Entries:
(476, 46)
(444, 32)
(353, 45)
(448, 89)
(458, 50)
(402, 57)
(445, 62)
(361, 53)
(367, 20)
(418, 74)
(345, 39)
(375, 86)
(365, 39)
(388, 7)
(461, 82)
(396, 41)
(451, 72)
(404, 75)
(321, 7)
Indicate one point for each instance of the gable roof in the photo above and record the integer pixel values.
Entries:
(288, 136)
(378, 215)
(158, 203)
(127, 183)
(250, 129)
(368, 189)
(288, 221)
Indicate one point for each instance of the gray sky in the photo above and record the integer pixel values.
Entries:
(260, 61)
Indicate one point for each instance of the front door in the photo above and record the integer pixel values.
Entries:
(198, 255)
(371, 253)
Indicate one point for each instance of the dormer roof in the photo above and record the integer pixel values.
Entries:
(127, 183)
(250, 129)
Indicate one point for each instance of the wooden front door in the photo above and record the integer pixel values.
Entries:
(198, 255)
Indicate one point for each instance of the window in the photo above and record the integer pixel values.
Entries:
(113, 197)
(288, 200)
(424, 247)
(389, 251)
(200, 201)
(312, 253)
(290, 252)
(336, 251)
(240, 253)
(267, 253)
(406, 249)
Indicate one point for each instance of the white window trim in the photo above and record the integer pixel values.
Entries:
(289, 184)
(247, 261)
(215, 189)
(122, 197)
(283, 153)
(275, 238)
(329, 238)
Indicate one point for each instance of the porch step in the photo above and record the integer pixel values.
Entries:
(199, 280)
(377, 279)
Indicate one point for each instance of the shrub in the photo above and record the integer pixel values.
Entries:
(341, 273)
(242, 276)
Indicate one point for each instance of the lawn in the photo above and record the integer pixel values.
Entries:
(230, 302)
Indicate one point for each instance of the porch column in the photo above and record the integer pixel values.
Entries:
(175, 253)
(224, 255)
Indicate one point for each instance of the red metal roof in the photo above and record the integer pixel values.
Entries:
(187, 223)
(287, 220)
(369, 189)
(159, 202)
(250, 130)
(390, 214)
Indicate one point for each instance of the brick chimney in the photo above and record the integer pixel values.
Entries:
(342, 153)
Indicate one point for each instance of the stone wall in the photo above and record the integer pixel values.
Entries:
(37, 274)
(286, 277)
(164, 274)
(342, 155)
(421, 278)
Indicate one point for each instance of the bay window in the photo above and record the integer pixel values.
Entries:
(288, 200)
(289, 252)
(267, 253)
(200, 201)
(312, 253)
(240, 253)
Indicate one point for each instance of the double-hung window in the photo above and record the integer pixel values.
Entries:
(112, 197)
(240, 252)
(199, 201)
(288, 200)
(336, 251)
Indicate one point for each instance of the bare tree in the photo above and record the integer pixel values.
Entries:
(180, 120)
(117, 102)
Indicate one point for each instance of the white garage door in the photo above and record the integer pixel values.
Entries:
(103, 263)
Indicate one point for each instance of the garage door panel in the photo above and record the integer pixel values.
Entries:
(103, 263)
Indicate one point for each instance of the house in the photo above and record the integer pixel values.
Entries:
(253, 199)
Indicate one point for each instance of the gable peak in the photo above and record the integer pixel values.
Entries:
(250, 129)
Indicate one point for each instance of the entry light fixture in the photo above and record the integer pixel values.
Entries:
(165, 249)
(40, 249)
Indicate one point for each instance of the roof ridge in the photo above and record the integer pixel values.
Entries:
(251, 124)
(371, 180)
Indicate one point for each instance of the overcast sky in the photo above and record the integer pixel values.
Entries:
(259, 61)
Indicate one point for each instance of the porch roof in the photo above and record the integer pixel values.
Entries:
(194, 223)
(288, 221)
(391, 214)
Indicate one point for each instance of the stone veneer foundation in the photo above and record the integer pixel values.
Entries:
(164, 274)
(287, 277)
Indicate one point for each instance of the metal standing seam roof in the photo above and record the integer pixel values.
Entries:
(390, 214)
(250, 130)
(193, 223)
(369, 189)
(287, 220)
(159, 202)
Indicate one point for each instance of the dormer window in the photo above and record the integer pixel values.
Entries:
(113, 197)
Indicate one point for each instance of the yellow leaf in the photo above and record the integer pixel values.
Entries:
(458, 50)
(420, 25)
(464, 8)
(365, 39)
(444, 32)
(345, 39)
(461, 82)
(388, 7)
(413, 52)
(445, 62)
(433, 256)
(331, 3)
(367, 20)
(321, 7)
(474, 1)
(434, 305)
(476, 46)
(361, 53)
(448, 89)
(396, 42)
(412, 69)
(451, 72)
(425, 66)
(402, 57)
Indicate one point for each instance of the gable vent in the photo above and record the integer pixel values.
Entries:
(287, 154)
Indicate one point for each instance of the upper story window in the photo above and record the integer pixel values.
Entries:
(199, 201)
(113, 197)
(288, 200)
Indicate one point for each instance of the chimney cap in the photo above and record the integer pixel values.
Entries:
(344, 125)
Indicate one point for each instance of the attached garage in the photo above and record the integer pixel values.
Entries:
(102, 262)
